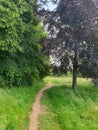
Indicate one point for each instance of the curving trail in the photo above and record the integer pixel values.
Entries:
(36, 109)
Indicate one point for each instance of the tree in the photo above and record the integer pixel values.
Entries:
(71, 34)
(21, 60)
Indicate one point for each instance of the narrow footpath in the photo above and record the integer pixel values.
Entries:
(36, 109)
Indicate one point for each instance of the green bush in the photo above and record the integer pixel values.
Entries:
(21, 60)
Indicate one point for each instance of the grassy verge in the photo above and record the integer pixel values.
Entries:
(68, 109)
(15, 106)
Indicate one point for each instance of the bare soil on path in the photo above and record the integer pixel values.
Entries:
(36, 109)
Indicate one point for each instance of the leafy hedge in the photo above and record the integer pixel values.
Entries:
(21, 60)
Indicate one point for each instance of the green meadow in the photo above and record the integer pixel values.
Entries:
(16, 105)
(66, 109)
(63, 108)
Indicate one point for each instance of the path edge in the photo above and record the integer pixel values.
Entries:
(36, 108)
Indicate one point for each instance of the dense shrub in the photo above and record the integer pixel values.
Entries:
(21, 60)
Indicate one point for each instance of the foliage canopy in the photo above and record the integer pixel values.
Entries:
(73, 31)
(21, 60)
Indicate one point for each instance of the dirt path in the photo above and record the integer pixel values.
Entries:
(36, 109)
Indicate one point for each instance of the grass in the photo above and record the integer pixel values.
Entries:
(15, 106)
(67, 109)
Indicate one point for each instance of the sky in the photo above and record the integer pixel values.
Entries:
(51, 6)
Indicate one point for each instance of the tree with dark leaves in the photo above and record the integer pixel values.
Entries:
(73, 29)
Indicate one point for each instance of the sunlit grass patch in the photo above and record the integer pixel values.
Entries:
(68, 109)
(15, 106)
(67, 80)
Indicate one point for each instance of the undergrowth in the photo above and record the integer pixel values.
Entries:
(67, 109)
(16, 105)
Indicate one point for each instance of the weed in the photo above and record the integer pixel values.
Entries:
(68, 109)
(16, 105)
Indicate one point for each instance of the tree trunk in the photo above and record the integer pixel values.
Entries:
(74, 82)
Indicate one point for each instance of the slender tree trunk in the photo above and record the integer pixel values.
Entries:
(74, 80)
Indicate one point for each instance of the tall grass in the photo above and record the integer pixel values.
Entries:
(15, 106)
(68, 109)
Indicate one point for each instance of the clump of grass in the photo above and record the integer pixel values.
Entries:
(68, 109)
(15, 106)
